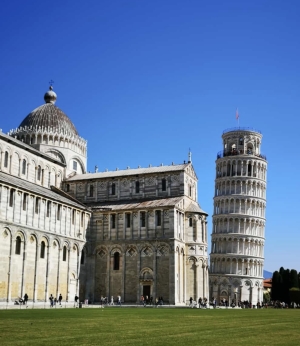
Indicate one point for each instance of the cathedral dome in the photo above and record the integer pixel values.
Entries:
(48, 116)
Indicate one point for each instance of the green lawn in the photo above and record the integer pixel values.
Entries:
(149, 326)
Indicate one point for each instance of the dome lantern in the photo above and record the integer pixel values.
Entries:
(50, 96)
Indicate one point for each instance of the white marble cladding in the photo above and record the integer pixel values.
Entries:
(133, 187)
(38, 263)
(165, 256)
(20, 162)
(238, 231)
(49, 136)
(38, 212)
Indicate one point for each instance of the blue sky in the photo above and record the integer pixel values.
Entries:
(144, 81)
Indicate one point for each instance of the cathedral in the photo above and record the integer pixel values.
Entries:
(129, 233)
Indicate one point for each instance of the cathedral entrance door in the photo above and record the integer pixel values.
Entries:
(146, 290)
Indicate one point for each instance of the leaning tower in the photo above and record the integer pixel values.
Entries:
(238, 235)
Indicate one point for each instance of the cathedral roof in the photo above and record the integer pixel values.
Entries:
(39, 190)
(128, 172)
(48, 116)
(153, 203)
(195, 208)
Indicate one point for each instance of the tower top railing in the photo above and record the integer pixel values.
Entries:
(241, 129)
(248, 152)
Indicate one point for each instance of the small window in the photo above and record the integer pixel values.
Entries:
(48, 208)
(127, 220)
(75, 165)
(116, 261)
(82, 219)
(39, 173)
(91, 190)
(190, 222)
(190, 191)
(82, 257)
(113, 189)
(25, 197)
(64, 253)
(18, 245)
(37, 205)
(137, 187)
(42, 254)
(163, 184)
(11, 197)
(158, 217)
(113, 221)
(241, 141)
(58, 211)
(67, 187)
(143, 219)
(24, 167)
(6, 159)
(73, 216)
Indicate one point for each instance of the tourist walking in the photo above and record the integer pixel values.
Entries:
(60, 298)
(119, 301)
(51, 299)
(25, 299)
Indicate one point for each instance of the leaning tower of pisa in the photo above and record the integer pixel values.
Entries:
(238, 234)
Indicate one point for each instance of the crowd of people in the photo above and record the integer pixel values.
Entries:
(200, 303)
(53, 300)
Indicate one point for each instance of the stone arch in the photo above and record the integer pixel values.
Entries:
(56, 154)
(146, 250)
(248, 283)
(21, 234)
(116, 249)
(131, 250)
(146, 274)
(77, 158)
(44, 238)
(56, 242)
(6, 232)
(67, 244)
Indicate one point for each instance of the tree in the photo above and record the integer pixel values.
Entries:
(294, 282)
(276, 286)
(286, 286)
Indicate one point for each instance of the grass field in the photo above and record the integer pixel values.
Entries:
(139, 326)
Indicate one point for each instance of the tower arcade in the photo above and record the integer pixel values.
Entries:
(238, 234)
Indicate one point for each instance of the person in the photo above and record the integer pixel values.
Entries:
(112, 300)
(76, 298)
(51, 299)
(55, 301)
(191, 302)
(119, 301)
(60, 298)
(200, 302)
(25, 298)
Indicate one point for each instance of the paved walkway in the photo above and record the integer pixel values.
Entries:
(72, 305)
